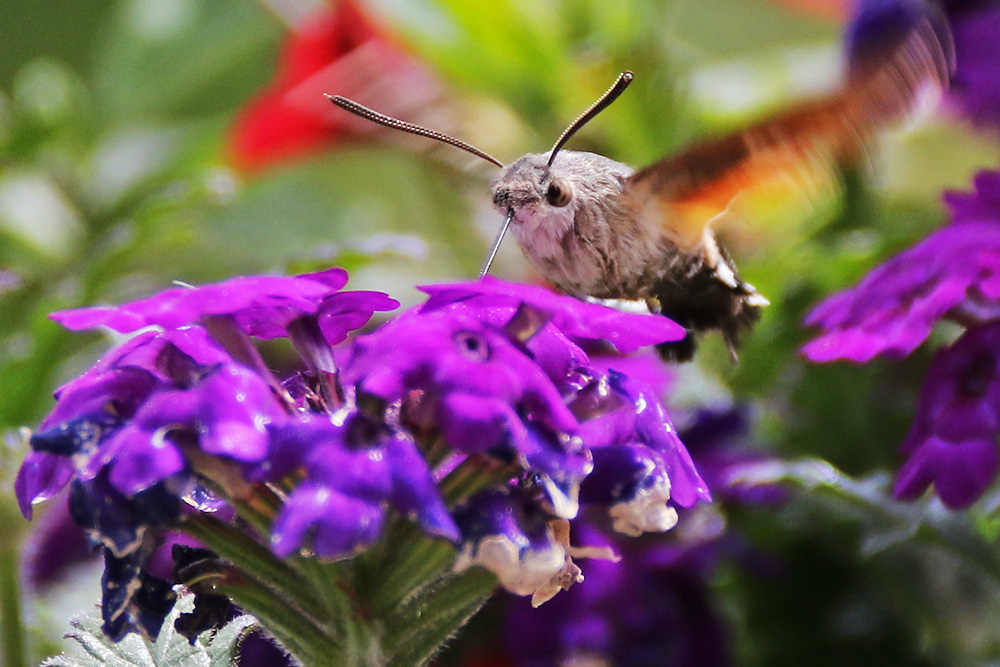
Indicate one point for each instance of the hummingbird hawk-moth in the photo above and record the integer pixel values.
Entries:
(596, 228)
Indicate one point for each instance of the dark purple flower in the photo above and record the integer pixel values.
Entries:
(953, 441)
(717, 440)
(975, 87)
(125, 529)
(955, 272)
(54, 545)
(879, 27)
(353, 471)
(133, 600)
(654, 607)
(259, 650)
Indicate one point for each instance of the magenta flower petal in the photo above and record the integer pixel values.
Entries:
(119, 390)
(414, 492)
(326, 521)
(143, 464)
(953, 272)
(344, 312)
(262, 306)
(626, 331)
(959, 471)
(472, 424)
(952, 443)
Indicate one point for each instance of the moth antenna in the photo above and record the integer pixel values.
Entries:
(597, 107)
(396, 124)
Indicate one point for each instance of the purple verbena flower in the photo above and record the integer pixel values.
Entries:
(955, 272)
(639, 461)
(139, 431)
(656, 606)
(975, 87)
(952, 443)
(53, 547)
(454, 371)
(494, 373)
(499, 377)
(353, 471)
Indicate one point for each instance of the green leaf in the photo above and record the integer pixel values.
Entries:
(170, 649)
(183, 58)
(222, 649)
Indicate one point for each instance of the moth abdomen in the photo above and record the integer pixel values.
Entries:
(702, 298)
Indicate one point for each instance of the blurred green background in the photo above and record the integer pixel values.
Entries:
(117, 176)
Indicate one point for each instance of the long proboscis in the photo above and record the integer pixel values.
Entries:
(402, 125)
(496, 243)
(609, 96)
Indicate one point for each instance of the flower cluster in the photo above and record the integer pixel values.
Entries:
(140, 431)
(953, 274)
(485, 375)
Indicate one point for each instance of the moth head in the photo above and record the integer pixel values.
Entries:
(530, 189)
(536, 193)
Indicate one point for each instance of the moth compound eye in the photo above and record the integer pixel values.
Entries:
(560, 192)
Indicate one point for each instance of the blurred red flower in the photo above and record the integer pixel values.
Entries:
(338, 50)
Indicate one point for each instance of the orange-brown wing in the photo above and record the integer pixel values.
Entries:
(792, 158)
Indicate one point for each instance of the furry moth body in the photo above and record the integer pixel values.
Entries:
(597, 228)
(582, 226)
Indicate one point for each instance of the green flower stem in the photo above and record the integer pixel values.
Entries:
(395, 603)
(357, 635)
(416, 561)
(258, 563)
(309, 645)
(895, 522)
(473, 475)
(260, 511)
(422, 559)
(418, 630)
(12, 644)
